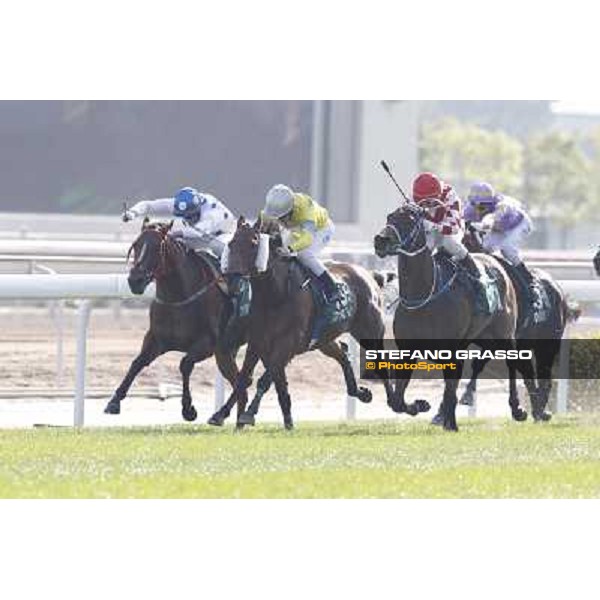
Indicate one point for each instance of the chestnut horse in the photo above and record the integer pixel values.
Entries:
(282, 312)
(185, 314)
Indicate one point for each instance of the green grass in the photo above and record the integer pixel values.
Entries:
(486, 459)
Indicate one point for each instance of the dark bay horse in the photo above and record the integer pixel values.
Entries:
(542, 337)
(438, 304)
(184, 315)
(282, 313)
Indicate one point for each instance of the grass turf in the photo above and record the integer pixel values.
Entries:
(486, 459)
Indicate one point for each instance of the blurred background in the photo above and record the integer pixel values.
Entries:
(66, 167)
(84, 158)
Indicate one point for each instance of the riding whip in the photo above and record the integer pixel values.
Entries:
(389, 172)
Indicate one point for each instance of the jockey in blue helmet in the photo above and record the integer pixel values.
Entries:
(208, 223)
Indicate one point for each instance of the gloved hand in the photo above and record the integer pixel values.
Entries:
(127, 216)
(284, 251)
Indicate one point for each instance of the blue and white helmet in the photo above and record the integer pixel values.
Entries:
(188, 204)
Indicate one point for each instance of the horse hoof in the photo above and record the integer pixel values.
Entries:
(113, 408)
(289, 425)
(422, 406)
(450, 426)
(543, 417)
(364, 395)
(438, 420)
(217, 420)
(189, 413)
(397, 408)
(468, 398)
(246, 418)
(520, 415)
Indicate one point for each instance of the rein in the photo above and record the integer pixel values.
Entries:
(167, 245)
(403, 247)
(410, 304)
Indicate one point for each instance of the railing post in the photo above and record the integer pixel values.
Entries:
(353, 355)
(562, 390)
(219, 390)
(83, 318)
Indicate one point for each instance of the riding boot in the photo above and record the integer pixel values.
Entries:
(329, 287)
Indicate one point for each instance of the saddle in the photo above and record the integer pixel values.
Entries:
(326, 315)
(213, 264)
(485, 291)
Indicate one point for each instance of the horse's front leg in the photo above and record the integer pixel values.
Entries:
(448, 407)
(262, 387)
(283, 396)
(240, 386)
(469, 396)
(200, 351)
(149, 352)
(397, 401)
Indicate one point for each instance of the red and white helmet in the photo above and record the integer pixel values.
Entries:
(426, 185)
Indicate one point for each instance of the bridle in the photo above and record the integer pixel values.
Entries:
(168, 247)
(165, 250)
(404, 245)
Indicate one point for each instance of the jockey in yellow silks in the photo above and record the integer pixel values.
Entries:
(307, 229)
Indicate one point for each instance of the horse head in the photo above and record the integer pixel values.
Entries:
(252, 248)
(149, 251)
(404, 232)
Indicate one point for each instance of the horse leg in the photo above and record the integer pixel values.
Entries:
(448, 407)
(338, 352)
(470, 394)
(262, 387)
(149, 352)
(397, 401)
(240, 383)
(283, 396)
(197, 353)
(544, 359)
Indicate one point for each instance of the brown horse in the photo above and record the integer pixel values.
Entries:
(185, 313)
(542, 336)
(437, 302)
(281, 315)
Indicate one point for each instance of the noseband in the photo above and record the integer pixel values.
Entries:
(166, 248)
(403, 246)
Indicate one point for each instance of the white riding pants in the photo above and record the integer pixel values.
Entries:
(508, 243)
(309, 256)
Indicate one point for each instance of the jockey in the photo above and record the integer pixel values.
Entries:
(208, 223)
(505, 223)
(444, 225)
(307, 230)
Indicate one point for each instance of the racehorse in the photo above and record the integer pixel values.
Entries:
(282, 312)
(542, 337)
(436, 301)
(185, 314)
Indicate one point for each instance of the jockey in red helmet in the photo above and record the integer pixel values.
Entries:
(444, 224)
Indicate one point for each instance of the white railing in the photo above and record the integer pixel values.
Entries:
(85, 288)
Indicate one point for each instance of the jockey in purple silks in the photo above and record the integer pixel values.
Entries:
(505, 224)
